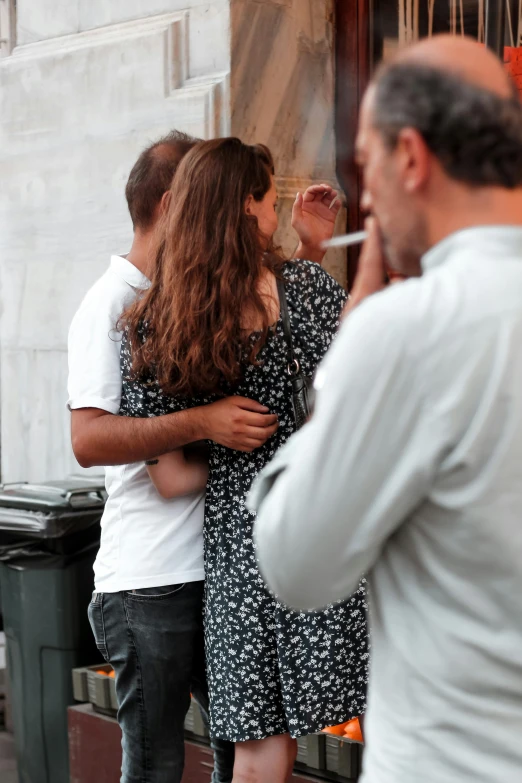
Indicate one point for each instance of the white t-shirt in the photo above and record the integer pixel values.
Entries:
(146, 541)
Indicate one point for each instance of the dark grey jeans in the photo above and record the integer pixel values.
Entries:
(153, 638)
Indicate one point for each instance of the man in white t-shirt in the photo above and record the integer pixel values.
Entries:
(146, 611)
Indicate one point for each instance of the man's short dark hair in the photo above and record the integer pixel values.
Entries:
(152, 174)
(475, 134)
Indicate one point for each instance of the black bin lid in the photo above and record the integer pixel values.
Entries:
(70, 495)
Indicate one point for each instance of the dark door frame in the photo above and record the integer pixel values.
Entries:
(352, 60)
(496, 25)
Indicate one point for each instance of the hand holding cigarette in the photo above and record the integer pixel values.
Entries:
(357, 238)
(313, 216)
(371, 272)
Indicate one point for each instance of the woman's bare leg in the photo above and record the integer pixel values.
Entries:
(269, 760)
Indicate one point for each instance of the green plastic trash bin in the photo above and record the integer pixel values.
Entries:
(49, 536)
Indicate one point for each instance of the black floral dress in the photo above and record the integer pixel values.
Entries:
(270, 670)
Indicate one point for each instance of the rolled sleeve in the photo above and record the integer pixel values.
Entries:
(76, 403)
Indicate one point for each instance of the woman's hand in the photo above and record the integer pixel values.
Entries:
(313, 218)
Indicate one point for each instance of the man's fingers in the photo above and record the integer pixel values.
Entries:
(260, 421)
(371, 255)
(261, 434)
(370, 273)
(250, 442)
(254, 414)
(250, 405)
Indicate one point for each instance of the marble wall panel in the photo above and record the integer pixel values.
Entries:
(282, 82)
(36, 21)
(47, 19)
(282, 94)
(209, 37)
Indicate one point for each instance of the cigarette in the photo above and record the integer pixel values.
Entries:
(346, 240)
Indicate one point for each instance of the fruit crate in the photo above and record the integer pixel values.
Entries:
(343, 757)
(195, 726)
(311, 751)
(96, 685)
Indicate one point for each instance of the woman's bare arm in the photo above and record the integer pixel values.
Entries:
(180, 472)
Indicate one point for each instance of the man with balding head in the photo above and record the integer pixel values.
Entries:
(411, 468)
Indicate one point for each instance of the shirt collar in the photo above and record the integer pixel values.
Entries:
(505, 239)
(129, 273)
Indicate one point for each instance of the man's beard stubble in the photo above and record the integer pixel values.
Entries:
(403, 253)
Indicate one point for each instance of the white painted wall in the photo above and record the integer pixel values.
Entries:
(79, 99)
(90, 83)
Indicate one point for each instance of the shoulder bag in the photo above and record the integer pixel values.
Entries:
(302, 387)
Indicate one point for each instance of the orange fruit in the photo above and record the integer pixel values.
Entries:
(337, 730)
(353, 731)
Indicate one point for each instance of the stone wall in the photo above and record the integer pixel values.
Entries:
(89, 83)
(76, 107)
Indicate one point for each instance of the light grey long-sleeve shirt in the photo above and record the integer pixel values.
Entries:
(411, 472)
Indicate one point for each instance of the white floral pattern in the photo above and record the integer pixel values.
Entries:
(271, 670)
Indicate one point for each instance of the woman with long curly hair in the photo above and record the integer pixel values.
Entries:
(210, 325)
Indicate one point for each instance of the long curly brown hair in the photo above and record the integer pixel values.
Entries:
(209, 257)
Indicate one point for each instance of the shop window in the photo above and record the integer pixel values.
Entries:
(399, 22)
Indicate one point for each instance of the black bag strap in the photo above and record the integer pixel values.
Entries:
(294, 368)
